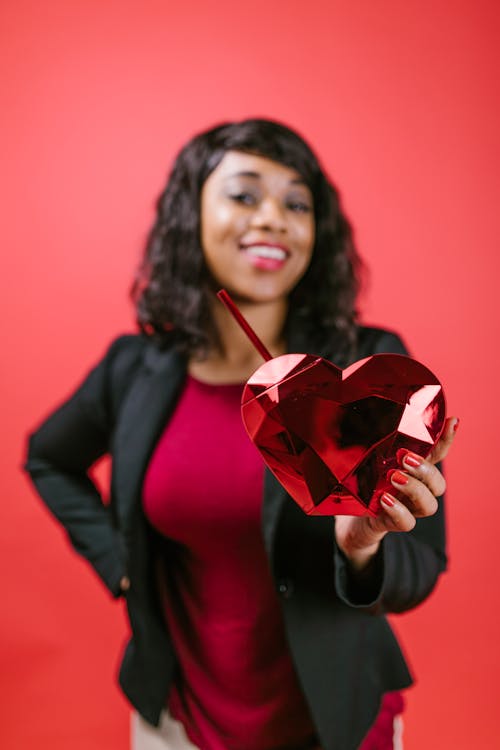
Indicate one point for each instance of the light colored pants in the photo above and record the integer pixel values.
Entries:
(170, 735)
(397, 737)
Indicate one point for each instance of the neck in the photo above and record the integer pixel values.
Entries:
(236, 357)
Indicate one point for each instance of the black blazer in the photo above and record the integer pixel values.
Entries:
(345, 653)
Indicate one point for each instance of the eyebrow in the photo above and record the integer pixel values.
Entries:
(258, 176)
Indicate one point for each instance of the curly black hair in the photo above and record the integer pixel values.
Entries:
(172, 286)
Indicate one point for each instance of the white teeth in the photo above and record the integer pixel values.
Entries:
(264, 251)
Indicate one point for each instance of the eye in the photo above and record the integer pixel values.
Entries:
(247, 199)
(298, 206)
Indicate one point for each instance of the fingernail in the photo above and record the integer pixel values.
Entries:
(397, 476)
(387, 499)
(411, 459)
(455, 426)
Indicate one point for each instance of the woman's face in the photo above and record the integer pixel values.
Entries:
(257, 227)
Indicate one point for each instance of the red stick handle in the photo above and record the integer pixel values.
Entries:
(228, 302)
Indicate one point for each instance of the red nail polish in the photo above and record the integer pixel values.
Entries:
(398, 477)
(400, 454)
(455, 426)
(411, 459)
(386, 499)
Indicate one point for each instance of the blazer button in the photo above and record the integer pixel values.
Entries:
(285, 588)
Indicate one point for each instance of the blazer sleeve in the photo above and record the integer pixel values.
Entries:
(62, 450)
(407, 565)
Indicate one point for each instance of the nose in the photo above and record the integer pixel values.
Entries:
(270, 214)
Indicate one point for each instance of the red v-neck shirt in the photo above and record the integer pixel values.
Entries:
(236, 685)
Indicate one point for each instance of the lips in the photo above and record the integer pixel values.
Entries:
(268, 256)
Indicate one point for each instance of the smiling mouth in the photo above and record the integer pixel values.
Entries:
(270, 252)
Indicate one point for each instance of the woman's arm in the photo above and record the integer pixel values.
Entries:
(65, 446)
(391, 563)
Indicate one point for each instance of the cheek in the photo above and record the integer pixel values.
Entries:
(219, 224)
(306, 237)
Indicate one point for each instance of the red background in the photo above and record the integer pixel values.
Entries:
(401, 102)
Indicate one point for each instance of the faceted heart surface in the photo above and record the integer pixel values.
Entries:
(330, 436)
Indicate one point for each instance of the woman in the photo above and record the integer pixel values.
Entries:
(253, 626)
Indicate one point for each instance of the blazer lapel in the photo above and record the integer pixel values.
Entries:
(144, 413)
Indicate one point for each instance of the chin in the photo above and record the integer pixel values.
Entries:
(258, 296)
(256, 289)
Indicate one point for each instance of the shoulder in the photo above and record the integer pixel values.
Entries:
(124, 353)
(104, 386)
(130, 348)
(126, 356)
(127, 345)
(372, 340)
(134, 357)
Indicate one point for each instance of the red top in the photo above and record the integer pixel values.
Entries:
(236, 681)
(203, 488)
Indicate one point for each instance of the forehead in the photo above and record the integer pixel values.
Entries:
(259, 168)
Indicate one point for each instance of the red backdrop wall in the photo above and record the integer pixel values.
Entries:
(399, 100)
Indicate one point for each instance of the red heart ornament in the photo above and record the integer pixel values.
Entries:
(330, 436)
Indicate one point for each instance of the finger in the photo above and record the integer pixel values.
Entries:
(425, 471)
(443, 445)
(414, 494)
(395, 516)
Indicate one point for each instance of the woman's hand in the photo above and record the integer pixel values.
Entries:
(418, 484)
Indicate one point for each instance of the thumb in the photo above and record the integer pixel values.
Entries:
(444, 443)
